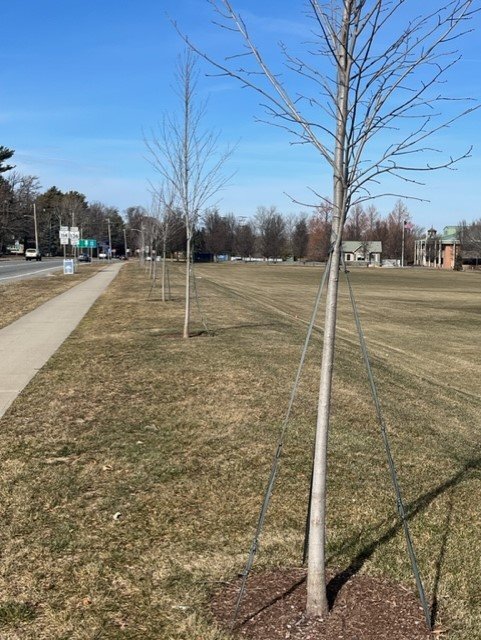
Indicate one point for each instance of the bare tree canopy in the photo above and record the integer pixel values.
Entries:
(188, 159)
(186, 155)
(272, 234)
(365, 93)
(394, 68)
(470, 238)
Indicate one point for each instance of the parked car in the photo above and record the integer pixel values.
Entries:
(84, 257)
(33, 254)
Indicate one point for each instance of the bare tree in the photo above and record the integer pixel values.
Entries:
(374, 73)
(188, 160)
(356, 223)
(372, 218)
(272, 232)
(167, 227)
(219, 232)
(245, 239)
(469, 234)
(320, 231)
(300, 237)
(395, 228)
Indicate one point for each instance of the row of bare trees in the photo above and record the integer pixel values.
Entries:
(270, 234)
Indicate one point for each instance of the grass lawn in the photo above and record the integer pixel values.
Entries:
(24, 295)
(133, 466)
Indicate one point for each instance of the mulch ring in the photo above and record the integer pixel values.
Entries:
(362, 608)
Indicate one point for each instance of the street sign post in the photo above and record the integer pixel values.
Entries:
(64, 235)
(74, 236)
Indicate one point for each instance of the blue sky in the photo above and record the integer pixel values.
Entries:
(81, 80)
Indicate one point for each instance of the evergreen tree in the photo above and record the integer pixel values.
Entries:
(5, 154)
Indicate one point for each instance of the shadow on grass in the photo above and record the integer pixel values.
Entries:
(412, 509)
(440, 561)
(280, 596)
(336, 583)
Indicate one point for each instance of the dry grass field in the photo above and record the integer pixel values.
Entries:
(133, 466)
(22, 296)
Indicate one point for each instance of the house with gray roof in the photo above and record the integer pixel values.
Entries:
(368, 251)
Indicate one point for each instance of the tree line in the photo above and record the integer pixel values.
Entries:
(270, 234)
(53, 209)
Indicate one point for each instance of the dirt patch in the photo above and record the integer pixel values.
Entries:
(362, 608)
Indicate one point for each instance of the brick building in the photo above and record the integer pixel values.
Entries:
(438, 251)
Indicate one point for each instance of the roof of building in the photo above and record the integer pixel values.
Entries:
(351, 246)
(450, 234)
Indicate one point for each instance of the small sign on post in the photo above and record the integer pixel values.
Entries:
(68, 267)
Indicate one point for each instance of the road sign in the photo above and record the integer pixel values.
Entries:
(87, 243)
(64, 235)
(74, 236)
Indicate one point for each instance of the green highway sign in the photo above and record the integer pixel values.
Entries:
(87, 243)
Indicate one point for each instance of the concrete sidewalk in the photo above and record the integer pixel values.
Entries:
(27, 344)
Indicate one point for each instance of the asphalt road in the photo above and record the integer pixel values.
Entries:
(14, 270)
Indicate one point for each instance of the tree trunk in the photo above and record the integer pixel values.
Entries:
(163, 267)
(317, 604)
(187, 287)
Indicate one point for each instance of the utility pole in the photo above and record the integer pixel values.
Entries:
(125, 244)
(402, 242)
(142, 240)
(74, 246)
(110, 239)
(35, 225)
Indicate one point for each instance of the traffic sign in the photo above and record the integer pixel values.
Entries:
(87, 243)
(74, 236)
(64, 235)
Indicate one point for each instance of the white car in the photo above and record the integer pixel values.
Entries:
(33, 254)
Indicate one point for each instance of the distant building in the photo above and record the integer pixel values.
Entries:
(437, 250)
(360, 251)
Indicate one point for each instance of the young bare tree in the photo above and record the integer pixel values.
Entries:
(188, 159)
(374, 67)
(168, 226)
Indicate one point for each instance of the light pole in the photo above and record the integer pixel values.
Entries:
(126, 251)
(402, 242)
(26, 215)
(141, 251)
